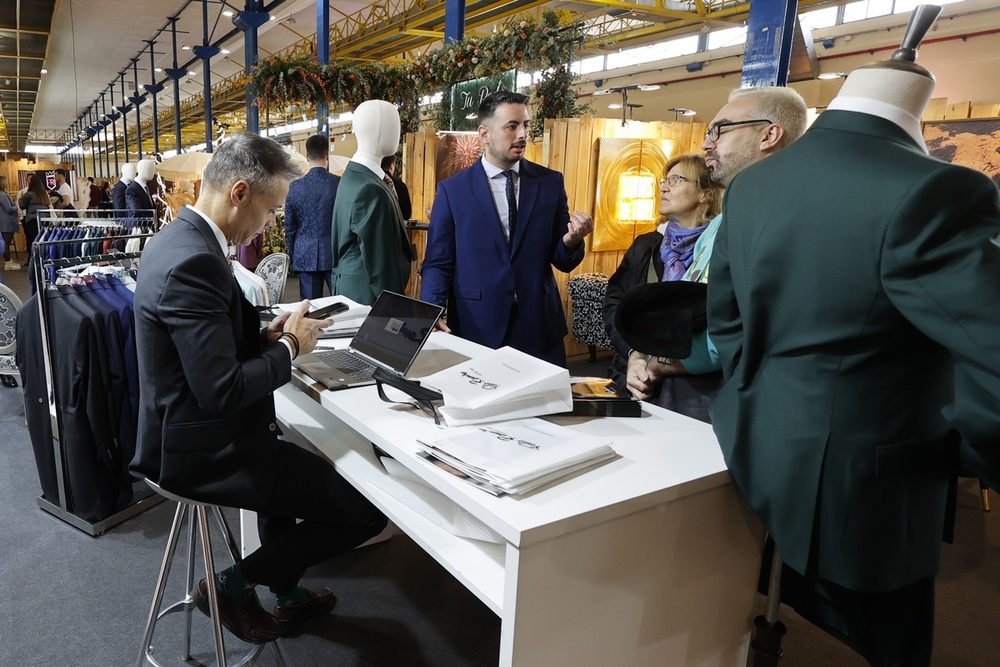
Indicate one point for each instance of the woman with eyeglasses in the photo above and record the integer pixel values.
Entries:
(689, 199)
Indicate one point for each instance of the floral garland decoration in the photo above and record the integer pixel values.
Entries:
(544, 42)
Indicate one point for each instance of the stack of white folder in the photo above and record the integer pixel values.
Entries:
(514, 457)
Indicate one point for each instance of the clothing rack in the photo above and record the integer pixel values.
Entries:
(142, 498)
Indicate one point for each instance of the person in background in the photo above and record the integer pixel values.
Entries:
(497, 229)
(8, 225)
(308, 215)
(65, 192)
(398, 186)
(207, 425)
(34, 199)
(689, 199)
(94, 194)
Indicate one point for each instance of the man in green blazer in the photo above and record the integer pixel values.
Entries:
(853, 303)
(371, 248)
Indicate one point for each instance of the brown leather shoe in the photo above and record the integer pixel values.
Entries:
(291, 616)
(251, 624)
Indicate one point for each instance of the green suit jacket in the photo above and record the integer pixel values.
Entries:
(853, 301)
(371, 249)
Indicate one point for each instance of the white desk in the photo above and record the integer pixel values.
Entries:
(650, 559)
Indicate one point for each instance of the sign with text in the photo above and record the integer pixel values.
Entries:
(467, 96)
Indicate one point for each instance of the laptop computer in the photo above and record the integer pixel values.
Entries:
(390, 337)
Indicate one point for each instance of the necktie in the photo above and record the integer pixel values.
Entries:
(389, 184)
(511, 204)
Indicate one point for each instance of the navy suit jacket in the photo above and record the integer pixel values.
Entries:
(138, 202)
(470, 268)
(118, 195)
(308, 220)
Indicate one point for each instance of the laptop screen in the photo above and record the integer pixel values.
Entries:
(395, 330)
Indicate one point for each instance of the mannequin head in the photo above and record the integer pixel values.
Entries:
(144, 171)
(376, 126)
(128, 172)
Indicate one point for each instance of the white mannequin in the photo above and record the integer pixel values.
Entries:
(128, 173)
(896, 89)
(144, 171)
(376, 127)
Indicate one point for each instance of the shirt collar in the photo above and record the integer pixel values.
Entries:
(369, 164)
(219, 236)
(492, 170)
(890, 112)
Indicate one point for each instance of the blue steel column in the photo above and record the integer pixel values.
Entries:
(454, 21)
(175, 74)
(323, 58)
(153, 89)
(123, 110)
(93, 132)
(136, 101)
(113, 117)
(205, 51)
(249, 21)
(770, 28)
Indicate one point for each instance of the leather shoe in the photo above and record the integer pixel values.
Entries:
(251, 623)
(291, 616)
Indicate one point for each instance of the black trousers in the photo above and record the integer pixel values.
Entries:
(888, 629)
(335, 518)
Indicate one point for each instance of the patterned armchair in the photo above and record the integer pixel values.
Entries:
(10, 304)
(586, 291)
(274, 270)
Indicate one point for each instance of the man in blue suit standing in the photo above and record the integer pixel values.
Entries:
(496, 230)
(308, 211)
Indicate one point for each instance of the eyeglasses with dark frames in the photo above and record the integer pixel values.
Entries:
(715, 131)
(673, 180)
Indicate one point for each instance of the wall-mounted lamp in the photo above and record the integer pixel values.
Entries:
(832, 75)
(829, 42)
(694, 67)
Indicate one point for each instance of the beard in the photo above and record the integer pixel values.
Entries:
(725, 168)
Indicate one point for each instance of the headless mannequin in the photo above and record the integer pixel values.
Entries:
(896, 89)
(137, 199)
(118, 192)
(371, 248)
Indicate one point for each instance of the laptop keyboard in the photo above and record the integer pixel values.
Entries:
(351, 364)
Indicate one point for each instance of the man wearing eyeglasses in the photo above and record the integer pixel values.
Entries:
(755, 123)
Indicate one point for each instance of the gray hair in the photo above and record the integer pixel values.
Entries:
(782, 106)
(246, 156)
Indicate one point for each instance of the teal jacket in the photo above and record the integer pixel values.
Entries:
(371, 248)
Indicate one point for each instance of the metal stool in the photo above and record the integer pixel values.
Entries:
(196, 512)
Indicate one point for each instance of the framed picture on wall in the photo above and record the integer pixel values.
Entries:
(970, 142)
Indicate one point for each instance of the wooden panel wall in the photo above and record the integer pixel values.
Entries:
(568, 146)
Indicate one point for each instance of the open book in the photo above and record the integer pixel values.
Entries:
(501, 384)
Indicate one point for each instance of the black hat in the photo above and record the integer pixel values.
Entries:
(660, 319)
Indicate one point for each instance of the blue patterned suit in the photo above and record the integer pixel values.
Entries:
(308, 219)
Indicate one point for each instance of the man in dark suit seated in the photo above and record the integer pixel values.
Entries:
(207, 427)
(497, 229)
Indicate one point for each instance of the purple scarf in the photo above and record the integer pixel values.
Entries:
(677, 250)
